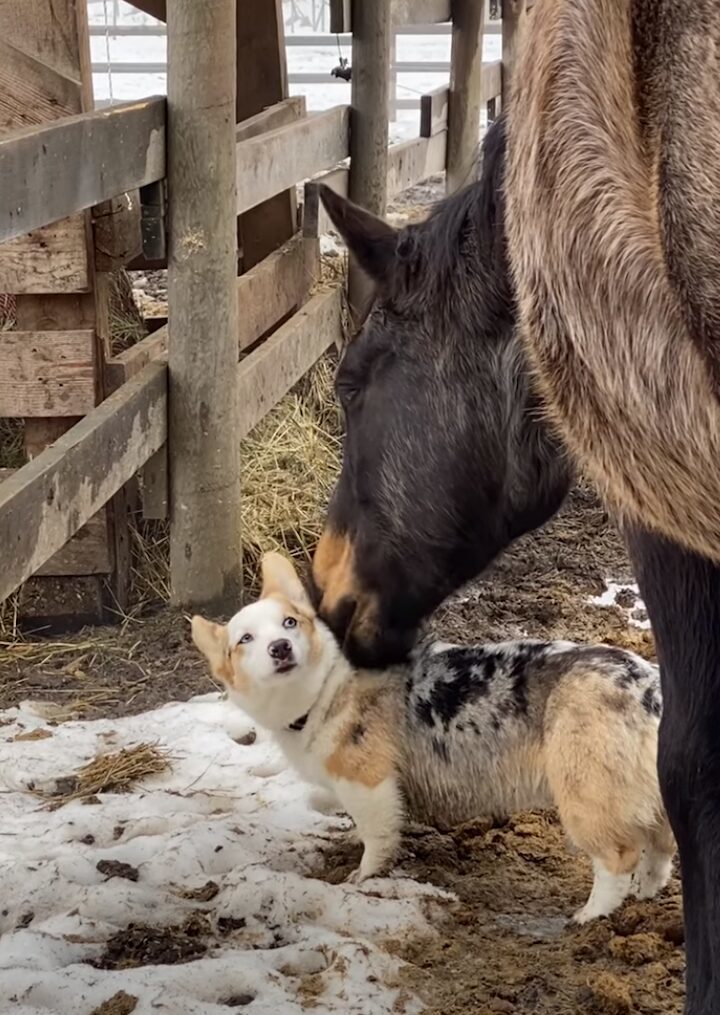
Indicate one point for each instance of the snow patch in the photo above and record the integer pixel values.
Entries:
(227, 813)
(629, 602)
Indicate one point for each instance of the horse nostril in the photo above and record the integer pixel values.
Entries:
(280, 649)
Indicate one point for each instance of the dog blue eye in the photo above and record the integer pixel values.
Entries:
(289, 622)
(245, 639)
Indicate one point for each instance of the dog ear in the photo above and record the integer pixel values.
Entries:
(212, 640)
(279, 577)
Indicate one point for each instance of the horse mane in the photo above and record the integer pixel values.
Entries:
(463, 239)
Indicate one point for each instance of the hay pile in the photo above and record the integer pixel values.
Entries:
(114, 772)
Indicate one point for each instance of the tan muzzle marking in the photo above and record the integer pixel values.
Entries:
(336, 579)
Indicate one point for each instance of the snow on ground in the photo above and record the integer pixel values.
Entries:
(626, 597)
(228, 813)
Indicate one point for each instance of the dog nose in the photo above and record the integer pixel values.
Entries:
(280, 649)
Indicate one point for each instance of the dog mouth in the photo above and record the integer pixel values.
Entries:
(286, 666)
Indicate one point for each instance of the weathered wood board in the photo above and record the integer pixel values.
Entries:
(47, 373)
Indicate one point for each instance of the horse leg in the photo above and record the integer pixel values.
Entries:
(682, 594)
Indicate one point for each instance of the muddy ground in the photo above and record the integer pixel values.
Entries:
(505, 945)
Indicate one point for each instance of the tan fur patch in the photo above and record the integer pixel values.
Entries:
(365, 751)
(334, 569)
(601, 762)
(225, 666)
(336, 577)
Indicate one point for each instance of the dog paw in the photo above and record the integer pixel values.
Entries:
(355, 877)
(584, 915)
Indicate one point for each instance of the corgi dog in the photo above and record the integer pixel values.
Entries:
(457, 733)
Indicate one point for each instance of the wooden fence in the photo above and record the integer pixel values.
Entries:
(238, 342)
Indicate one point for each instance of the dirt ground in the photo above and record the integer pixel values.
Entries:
(505, 946)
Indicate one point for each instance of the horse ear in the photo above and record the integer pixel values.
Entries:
(369, 239)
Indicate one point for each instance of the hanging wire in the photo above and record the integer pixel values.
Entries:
(107, 51)
(343, 69)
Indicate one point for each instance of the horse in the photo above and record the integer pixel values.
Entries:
(613, 226)
(447, 458)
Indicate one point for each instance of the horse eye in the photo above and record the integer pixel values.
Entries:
(289, 622)
(246, 638)
(346, 393)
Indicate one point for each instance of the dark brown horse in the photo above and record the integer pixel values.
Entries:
(446, 459)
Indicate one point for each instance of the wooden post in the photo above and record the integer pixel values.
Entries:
(465, 97)
(371, 46)
(511, 14)
(205, 538)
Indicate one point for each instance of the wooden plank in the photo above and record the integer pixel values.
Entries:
(49, 260)
(434, 112)
(412, 161)
(266, 294)
(155, 8)
(51, 498)
(50, 172)
(49, 30)
(86, 553)
(340, 16)
(117, 231)
(316, 221)
(271, 163)
(269, 372)
(154, 483)
(153, 477)
(272, 289)
(129, 362)
(47, 373)
(421, 12)
(465, 99)
(369, 97)
(492, 82)
(261, 80)
(278, 115)
(205, 544)
(512, 12)
(31, 92)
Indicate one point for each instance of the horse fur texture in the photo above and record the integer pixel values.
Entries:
(613, 198)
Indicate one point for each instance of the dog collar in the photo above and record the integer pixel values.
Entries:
(299, 725)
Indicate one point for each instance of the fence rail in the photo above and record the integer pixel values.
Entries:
(51, 172)
(294, 41)
(45, 502)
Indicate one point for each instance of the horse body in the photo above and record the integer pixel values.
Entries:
(614, 236)
(614, 232)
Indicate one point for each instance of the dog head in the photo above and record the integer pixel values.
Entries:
(274, 654)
